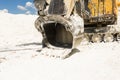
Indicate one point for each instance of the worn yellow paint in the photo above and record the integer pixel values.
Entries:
(118, 4)
(96, 8)
(100, 7)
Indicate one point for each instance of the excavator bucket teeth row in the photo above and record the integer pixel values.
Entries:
(56, 53)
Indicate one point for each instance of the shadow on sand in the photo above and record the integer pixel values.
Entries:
(29, 44)
(22, 47)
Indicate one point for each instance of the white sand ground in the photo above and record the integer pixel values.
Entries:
(19, 59)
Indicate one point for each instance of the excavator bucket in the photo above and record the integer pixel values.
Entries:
(59, 33)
